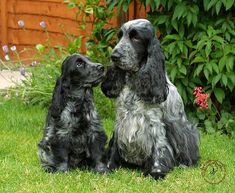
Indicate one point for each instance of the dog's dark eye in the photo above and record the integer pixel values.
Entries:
(80, 63)
(134, 36)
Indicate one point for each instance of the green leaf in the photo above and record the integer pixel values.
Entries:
(201, 44)
(189, 43)
(222, 63)
(180, 45)
(224, 79)
(181, 30)
(210, 31)
(200, 114)
(157, 3)
(125, 6)
(215, 67)
(218, 39)
(179, 62)
(179, 10)
(209, 67)
(111, 4)
(185, 82)
(219, 94)
(227, 36)
(232, 78)
(198, 59)
(194, 19)
(209, 126)
(212, 2)
(169, 5)
(172, 47)
(183, 70)
(89, 10)
(206, 73)
(198, 70)
(172, 37)
(230, 63)
(174, 23)
(205, 4)
(173, 73)
(40, 47)
(161, 19)
(229, 4)
(215, 80)
(208, 48)
(71, 5)
(189, 18)
(185, 51)
(194, 8)
(218, 6)
(148, 2)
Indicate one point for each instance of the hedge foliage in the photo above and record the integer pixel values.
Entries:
(198, 39)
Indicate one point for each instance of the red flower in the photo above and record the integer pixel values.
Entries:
(201, 98)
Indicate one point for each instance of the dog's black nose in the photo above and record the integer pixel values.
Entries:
(115, 57)
(100, 68)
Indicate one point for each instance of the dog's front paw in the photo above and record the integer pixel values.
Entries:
(63, 167)
(157, 172)
(101, 168)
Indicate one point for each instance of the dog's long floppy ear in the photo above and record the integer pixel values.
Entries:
(113, 82)
(150, 82)
(60, 91)
(65, 77)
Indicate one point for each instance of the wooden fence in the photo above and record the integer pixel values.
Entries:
(58, 18)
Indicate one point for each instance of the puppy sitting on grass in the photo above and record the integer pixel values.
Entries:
(73, 136)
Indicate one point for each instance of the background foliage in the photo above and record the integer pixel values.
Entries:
(100, 40)
(198, 39)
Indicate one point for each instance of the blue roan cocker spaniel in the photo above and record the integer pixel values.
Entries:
(73, 136)
(151, 129)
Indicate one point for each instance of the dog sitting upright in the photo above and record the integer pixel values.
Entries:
(73, 135)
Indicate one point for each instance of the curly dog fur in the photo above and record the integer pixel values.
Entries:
(73, 136)
(151, 129)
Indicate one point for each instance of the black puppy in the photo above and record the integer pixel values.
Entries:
(73, 135)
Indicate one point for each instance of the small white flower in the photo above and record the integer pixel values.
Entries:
(21, 24)
(7, 58)
(13, 48)
(22, 71)
(5, 49)
(34, 63)
(43, 24)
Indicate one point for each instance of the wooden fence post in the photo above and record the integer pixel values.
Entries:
(4, 21)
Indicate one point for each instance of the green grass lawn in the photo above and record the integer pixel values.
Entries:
(21, 129)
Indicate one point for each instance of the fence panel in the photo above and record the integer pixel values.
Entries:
(59, 20)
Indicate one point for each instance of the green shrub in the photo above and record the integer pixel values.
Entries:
(101, 39)
(198, 42)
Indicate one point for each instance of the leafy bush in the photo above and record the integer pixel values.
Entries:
(198, 42)
(101, 39)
